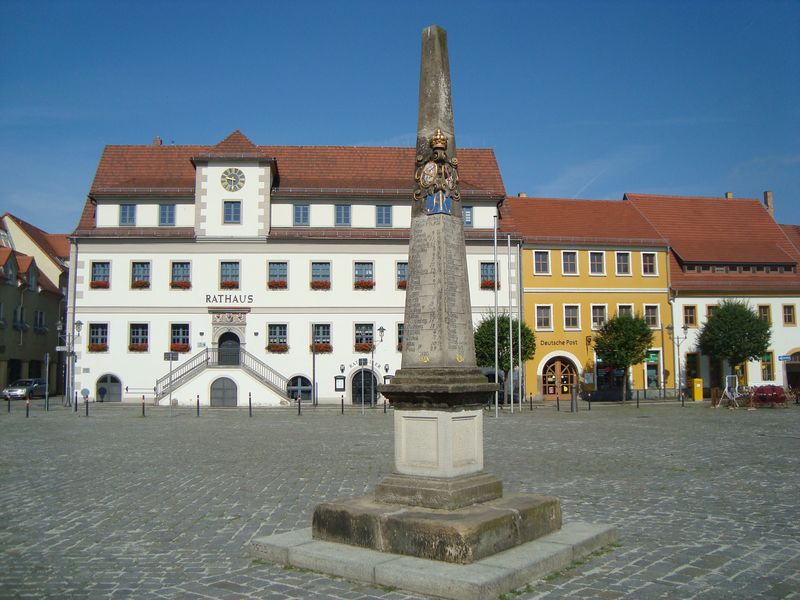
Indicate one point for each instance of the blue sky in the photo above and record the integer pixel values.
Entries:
(578, 99)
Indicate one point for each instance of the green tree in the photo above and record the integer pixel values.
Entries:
(735, 333)
(622, 342)
(484, 342)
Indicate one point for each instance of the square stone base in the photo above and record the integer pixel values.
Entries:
(487, 578)
(435, 492)
(456, 536)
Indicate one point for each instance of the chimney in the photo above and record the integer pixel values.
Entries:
(522, 195)
(157, 141)
(729, 195)
(768, 203)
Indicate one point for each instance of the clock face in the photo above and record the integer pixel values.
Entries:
(232, 180)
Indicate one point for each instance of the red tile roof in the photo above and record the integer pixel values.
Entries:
(54, 245)
(720, 231)
(716, 230)
(5, 254)
(300, 169)
(561, 220)
(793, 233)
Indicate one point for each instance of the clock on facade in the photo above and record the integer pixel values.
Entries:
(232, 179)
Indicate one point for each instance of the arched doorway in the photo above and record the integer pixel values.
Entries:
(299, 385)
(559, 378)
(223, 392)
(793, 371)
(108, 389)
(364, 380)
(228, 349)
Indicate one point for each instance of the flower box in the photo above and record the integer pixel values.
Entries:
(179, 347)
(277, 284)
(140, 284)
(99, 284)
(488, 284)
(277, 348)
(137, 347)
(364, 284)
(399, 346)
(363, 347)
(180, 285)
(97, 347)
(321, 347)
(229, 284)
(322, 284)
(401, 285)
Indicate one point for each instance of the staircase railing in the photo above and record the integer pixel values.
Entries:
(209, 357)
(186, 371)
(263, 372)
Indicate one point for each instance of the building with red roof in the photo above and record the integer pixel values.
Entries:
(730, 248)
(276, 265)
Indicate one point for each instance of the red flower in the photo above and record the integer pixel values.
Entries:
(137, 347)
(321, 284)
(488, 284)
(364, 284)
(321, 347)
(363, 347)
(179, 347)
(399, 346)
(401, 285)
(276, 284)
(229, 284)
(140, 284)
(97, 347)
(277, 348)
(180, 285)
(99, 284)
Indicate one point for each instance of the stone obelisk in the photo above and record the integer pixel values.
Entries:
(438, 503)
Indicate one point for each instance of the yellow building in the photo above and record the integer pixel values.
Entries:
(583, 262)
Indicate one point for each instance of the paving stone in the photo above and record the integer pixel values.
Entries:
(118, 506)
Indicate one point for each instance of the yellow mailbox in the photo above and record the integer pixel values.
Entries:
(697, 389)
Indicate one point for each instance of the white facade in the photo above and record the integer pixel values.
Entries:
(785, 339)
(227, 246)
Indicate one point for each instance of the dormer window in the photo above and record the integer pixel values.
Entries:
(127, 215)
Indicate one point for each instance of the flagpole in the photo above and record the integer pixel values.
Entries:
(510, 327)
(496, 347)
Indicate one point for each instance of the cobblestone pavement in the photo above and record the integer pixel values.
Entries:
(120, 506)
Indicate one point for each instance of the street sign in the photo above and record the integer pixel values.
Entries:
(785, 357)
(171, 356)
(62, 349)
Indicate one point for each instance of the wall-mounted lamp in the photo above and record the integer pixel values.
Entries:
(386, 367)
(381, 331)
(588, 340)
(341, 368)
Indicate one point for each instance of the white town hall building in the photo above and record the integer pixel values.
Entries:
(263, 267)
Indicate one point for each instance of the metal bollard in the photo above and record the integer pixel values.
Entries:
(9, 404)
(27, 407)
(76, 401)
(342, 404)
(86, 405)
(530, 397)
(142, 404)
(384, 406)
(637, 398)
(198, 405)
(298, 404)
(558, 404)
(590, 401)
(682, 400)
(250, 402)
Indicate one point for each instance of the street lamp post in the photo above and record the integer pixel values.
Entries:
(381, 331)
(69, 339)
(678, 339)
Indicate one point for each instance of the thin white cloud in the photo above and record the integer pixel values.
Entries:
(577, 179)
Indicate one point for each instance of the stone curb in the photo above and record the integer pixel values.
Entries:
(487, 578)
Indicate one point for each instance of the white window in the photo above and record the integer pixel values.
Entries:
(624, 310)
(599, 312)
(649, 264)
(569, 262)
(651, 315)
(623, 263)
(466, 213)
(541, 262)
(572, 316)
(597, 263)
(544, 317)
